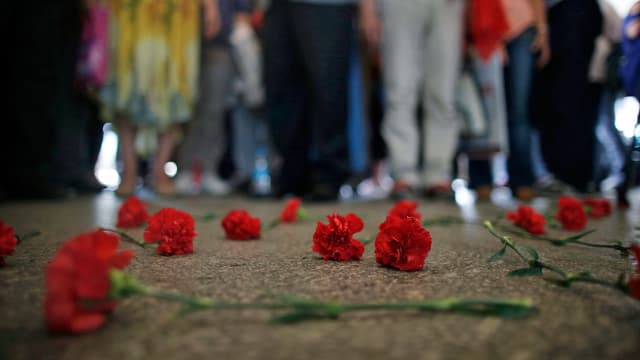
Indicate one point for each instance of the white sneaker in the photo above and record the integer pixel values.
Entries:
(212, 184)
(185, 185)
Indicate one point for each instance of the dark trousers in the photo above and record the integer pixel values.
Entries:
(566, 103)
(307, 49)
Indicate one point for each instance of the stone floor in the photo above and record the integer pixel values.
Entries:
(585, 321)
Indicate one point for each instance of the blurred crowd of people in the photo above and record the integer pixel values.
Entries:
(305, 97)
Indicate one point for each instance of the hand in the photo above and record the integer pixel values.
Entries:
(541, 46)
(370, 24)
(211, 19)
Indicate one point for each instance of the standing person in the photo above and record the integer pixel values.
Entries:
(421, 48)
(486, 28)
(566, 107)
(307, 51)
(205, 140)
(527, 45)
(154, 68)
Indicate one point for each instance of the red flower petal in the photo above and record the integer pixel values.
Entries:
(334, 241)
(240, 225)
(402, 244)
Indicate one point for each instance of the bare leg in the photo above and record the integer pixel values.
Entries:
(166, 143)
(126, 148)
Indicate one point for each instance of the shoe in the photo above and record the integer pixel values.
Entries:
(439, 190)
(323, 193)
(126, 188)
(87, 185)
(185, 185)
(483, 193)
(551, 186)
(524, 193)
(164, 187)
(213, 185)
(402, 190)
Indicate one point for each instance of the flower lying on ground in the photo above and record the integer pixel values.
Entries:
(404, 208)
(402, 243)
(571, 213)
(8, 241)
(174, 229)
(78, 283)
(292, 211)
(527, 218)
(334, 241)
(240, 225)
(132, 213)
(597, 208)
(634, 280)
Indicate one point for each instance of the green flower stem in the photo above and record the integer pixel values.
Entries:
(573, 239)
(125, 236)
(506, 241)
(205, 217)
(124, 285)
(566, 278)
(368, 240)
(23, 237)
(271, 224)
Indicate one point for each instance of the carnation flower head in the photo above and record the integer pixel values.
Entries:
(132, 213)
(174, 229)
(77, 282)
(597, 208)
(334, 240)
(527, 218)
(240, 225)
(402, 243)
(291, 210)
(404, 208)
(8, 241)
(571, 213)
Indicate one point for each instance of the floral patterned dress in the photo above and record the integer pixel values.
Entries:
(153, 67)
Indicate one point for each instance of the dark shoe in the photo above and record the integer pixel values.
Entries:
(439, 191)
(88, 185)
(323, 193)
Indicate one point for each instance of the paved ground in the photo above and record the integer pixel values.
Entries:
(585, 321)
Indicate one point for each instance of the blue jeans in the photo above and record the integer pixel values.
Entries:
(518, 77)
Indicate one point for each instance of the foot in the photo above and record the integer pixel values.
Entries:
(439, 190)
(213, 185)
(524, 193)
(483, 193)
(127, 185)
(185, 185)
(164, 186)
(402, 190)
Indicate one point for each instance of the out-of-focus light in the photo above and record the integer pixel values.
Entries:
(458, 184)
(626, 112)
(171, 169)
(346, 192)
(108, 177)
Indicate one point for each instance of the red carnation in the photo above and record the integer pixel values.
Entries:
(597, 208)
(240, 225)
(174, 229)
(527, 218)
(404, 208)
(571, 213)
(402, 243)
(634, 280)
(290, 211)
(78, 283)
(334, 241)
(132, 213)
(8, 241)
